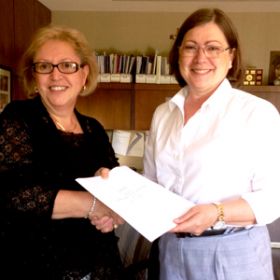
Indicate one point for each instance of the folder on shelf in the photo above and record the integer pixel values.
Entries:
(158, 69)
(115, 77)
(105, 78)
(151, 79)
(164, 79)
(140, 78)
(126, 78)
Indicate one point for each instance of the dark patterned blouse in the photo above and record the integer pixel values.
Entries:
(36, 161)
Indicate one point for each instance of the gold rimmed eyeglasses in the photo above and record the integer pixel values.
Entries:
(210, 51)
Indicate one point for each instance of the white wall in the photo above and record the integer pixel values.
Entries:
(143, 32)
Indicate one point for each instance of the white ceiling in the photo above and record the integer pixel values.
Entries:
(161, 6)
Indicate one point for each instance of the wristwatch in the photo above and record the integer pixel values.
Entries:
(220, 224)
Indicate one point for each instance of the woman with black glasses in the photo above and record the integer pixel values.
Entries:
(51, 228)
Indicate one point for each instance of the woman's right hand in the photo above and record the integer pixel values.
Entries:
(104, 219)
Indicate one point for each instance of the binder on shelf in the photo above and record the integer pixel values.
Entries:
(105, 78)
(138, 64)
(131, 64)
(151, 79)
(115, 77)
(164, 79)
(155, 62)
(165, 68)
(140, 78)
(125, 78)
(158, 69)
(144, 65)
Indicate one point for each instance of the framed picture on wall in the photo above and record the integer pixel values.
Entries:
(5, 86)
(274, 68)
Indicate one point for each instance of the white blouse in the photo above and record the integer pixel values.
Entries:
(229, 148)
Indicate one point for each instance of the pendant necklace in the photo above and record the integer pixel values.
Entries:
(61, 127)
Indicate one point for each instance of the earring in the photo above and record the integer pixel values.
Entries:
(83, 90)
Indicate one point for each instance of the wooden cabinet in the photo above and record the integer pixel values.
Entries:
(7, 31)
(111, 104)
(23, 26)
(19, 19)
(125, 106)
(29, 15)
(131, 106)
(146, 98)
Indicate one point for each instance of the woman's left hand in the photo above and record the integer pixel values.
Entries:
(198, 219)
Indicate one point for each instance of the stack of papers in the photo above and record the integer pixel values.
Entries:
(147, 206)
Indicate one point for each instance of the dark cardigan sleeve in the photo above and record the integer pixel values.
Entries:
(20, 189)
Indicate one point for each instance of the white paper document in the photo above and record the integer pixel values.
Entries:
(148, 207)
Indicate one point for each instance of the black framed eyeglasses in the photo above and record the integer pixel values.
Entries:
(66, 67)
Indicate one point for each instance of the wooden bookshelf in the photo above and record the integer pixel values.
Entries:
(111, 104)
(18, 20)
(146, 98)
(131, 106)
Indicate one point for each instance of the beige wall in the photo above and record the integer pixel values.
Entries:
(133, 32)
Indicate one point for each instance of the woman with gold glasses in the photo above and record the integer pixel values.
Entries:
(218, 147)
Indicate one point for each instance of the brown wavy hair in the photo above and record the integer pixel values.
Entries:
(200, 17)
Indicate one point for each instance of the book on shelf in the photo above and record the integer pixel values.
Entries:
(158, 69)
(115, 67)
(155, 63)
(126, 68)
(138, 64)
(131, 64)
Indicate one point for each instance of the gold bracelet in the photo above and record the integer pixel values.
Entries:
(220, 222)
(92, 208)
(220, 210)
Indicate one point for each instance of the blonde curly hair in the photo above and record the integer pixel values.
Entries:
(66, 34)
